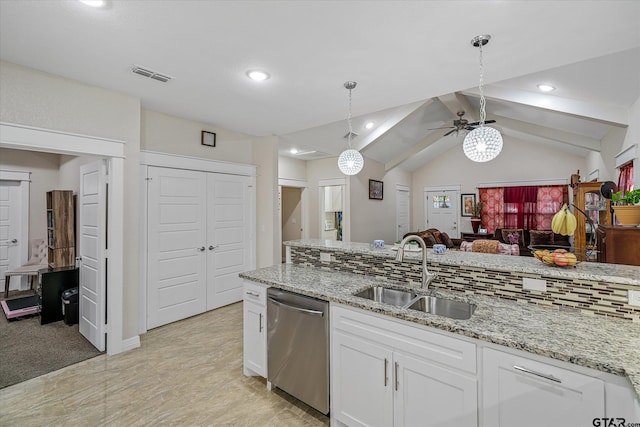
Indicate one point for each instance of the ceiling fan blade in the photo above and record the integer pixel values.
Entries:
(448, 127)
(450, 132)
(485, 122)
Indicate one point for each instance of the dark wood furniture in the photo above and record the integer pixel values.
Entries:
(52, 283)
(619, 245)
(587, 197)
(60, 229)
(470, 237)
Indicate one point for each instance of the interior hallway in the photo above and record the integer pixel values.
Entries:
(185, 373)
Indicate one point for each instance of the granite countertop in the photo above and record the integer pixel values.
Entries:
(611, 273)
(608, 345)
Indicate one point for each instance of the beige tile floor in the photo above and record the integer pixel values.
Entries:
(188, 373)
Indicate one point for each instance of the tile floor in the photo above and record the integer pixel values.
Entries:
(187, 373)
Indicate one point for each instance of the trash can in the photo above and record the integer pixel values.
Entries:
(70, 306)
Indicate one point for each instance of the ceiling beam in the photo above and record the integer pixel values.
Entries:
(569, 138)
(415, 149)
(612, 115)
(398, 116)
(458, 102)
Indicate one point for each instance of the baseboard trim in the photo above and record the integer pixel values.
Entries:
(131, 343)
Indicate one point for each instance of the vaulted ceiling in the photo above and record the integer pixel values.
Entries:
(413, 62)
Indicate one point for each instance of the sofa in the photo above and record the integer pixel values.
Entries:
(433, 236)
(542, 239)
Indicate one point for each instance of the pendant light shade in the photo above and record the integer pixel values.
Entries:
(350, 161)
(483, 143)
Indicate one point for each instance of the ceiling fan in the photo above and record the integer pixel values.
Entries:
(462, 124)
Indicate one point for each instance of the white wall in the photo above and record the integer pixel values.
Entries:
(44, 177)
(291, 214)
(375, 219)
(265, 157)
(518, 161)
(175, 135)
(290, 168)
(38, 99)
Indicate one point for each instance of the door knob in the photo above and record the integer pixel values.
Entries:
(211, 247)
(201, 249)
(14, 241)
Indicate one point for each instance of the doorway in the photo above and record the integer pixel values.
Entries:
(441, 211)
(403, 219)
(291, 221)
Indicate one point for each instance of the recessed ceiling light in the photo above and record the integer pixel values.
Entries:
(93, 3)
(257, 75)
(293, 151)
(369, 125)
(545, 87)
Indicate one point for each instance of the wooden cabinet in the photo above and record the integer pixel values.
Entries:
(385, 372)
(61, 229)
(587, 197)
(254, 329)
(519, 391)
(619, 245)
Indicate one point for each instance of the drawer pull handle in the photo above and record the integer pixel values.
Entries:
(253, 294)
(386, 378)
(538, 374)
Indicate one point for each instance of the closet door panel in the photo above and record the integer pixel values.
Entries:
(228, 237)
(176, 266)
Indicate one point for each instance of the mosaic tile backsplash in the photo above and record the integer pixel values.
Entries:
(590, 297)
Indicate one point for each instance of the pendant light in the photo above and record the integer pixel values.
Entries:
(350, 161)
(484, 143)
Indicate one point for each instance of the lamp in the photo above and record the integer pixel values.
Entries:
(483, 143)
(350, 161)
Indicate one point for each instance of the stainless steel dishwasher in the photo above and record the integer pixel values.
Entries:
(298, 346)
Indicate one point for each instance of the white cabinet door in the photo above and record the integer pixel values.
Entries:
(254, 339)
(522, 392)
(228, 241)
(176, 263)
(429, 395)
(361, 382)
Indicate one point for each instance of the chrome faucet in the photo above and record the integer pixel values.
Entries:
(426, 276)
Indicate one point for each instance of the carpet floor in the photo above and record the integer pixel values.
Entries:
(28, 349)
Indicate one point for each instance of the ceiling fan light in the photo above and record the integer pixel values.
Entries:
(482, 144)
(350, 162)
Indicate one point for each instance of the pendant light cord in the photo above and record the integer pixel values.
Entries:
(349, 121)
(483, 103)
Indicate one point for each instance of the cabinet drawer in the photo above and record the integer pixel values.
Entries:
(255, 292)
(405, 336)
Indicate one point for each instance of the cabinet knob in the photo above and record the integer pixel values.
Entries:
(201, 249)
(212, 247)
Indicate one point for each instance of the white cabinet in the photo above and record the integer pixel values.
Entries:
(386, 372)
(254, 329)
(519, 391)
(199, 236)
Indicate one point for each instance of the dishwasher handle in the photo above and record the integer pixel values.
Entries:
(294, 308)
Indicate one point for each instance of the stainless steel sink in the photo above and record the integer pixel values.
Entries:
(389, 296)
(443, 307)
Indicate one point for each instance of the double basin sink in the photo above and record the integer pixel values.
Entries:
(427, 304)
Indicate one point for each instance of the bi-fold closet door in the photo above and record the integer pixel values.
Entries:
(198, 240)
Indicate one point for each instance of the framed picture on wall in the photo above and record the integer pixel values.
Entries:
(376, 189)
(467, 202)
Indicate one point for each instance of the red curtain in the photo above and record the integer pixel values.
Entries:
(520, 207)
(492, 210)
(529, 208)
(625, 180)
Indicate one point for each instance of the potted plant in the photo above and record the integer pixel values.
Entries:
(627, 207)
(476, 211)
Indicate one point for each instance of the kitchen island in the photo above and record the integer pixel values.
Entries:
(578, 337)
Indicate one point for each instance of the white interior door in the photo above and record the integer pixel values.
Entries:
(228, 237)
(442, 209)
(93, 231)
(176, 264)
(11, 242)
(402, 213)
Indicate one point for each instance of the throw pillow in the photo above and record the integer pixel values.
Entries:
(466, 246)
(436, 235)
(428, 238)
(446, 240)
(539, 237)
(514, 236)
(506, 249)
(486, 246)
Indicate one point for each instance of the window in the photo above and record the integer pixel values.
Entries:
(625, 180)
